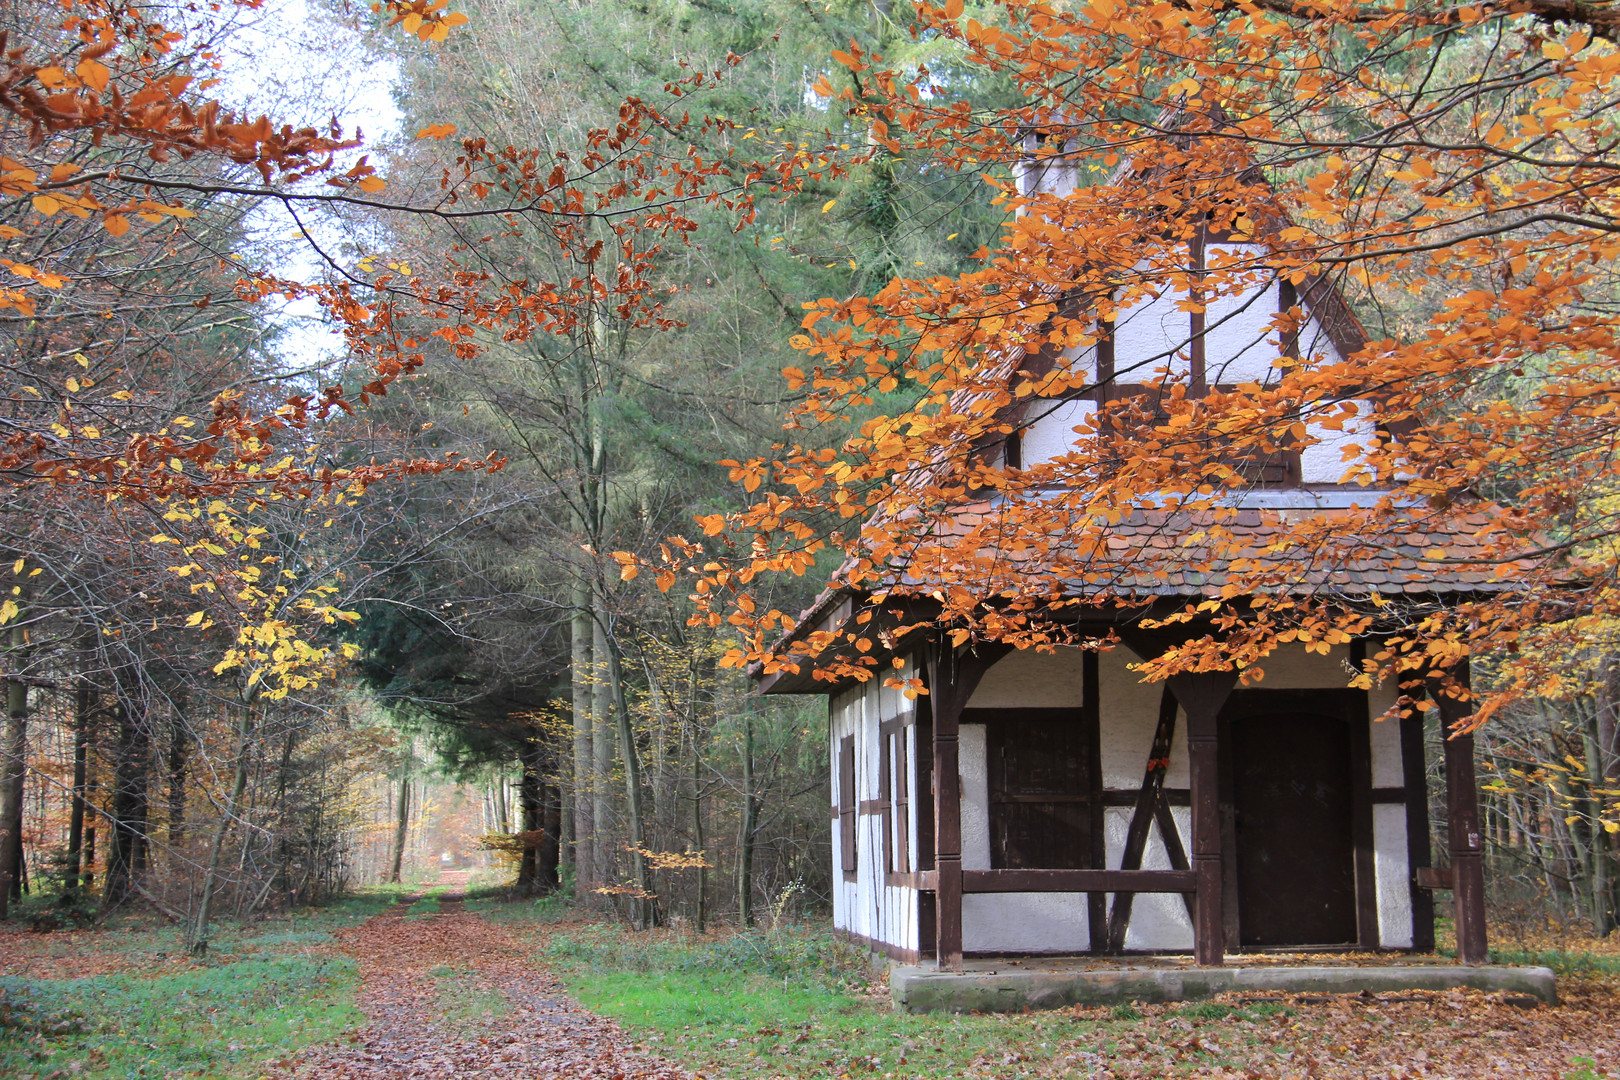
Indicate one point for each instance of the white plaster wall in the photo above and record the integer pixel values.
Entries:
(1291, 667)
(1026, 679)
(1392, 875)
(1315, 342)
(1240, 344)
(1387, 771)
(1081, 360)
(844, 709)
(971, 747)
(1052, 434)
(1382, 697)
(868, 906)
(1149, 335)
(1025, 922)
(1130, 712)
(1324, 462)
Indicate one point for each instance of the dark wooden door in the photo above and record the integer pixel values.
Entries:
(1291, 801)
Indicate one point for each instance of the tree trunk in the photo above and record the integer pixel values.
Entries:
(87, 865)
(503, 820)
(584, 758)
(1599, 869)
(81, 768)
(179, 748)
(13, 771)
(550, 844)
(128, 805)
(197, 930)
(402, 818)
(643, 912)
(602, 854)
(529, 796)
(746, 828)
(700, 908)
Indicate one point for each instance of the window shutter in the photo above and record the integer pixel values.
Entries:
(846, 804)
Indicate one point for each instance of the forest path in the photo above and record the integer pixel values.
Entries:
(451, 995)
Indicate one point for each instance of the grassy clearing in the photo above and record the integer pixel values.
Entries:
(218, 1021)
(799, 1003)
(131, 1003)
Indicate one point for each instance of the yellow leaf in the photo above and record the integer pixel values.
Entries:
(17, 567)
(194, 619)
(8, 611)
(73, 385)
(117, 224)
(828, 205)
(47, 204)
(94, 73)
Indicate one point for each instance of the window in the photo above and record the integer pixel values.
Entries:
(893, 791)
(846, 805)
(1039, 786)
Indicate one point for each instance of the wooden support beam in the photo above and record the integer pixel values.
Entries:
(1074, 881)
(1361, 817)
(952, 677)
(1464, 833)
(1091, 717)
(1142, 818)
(1202, 694)
(1415, 774)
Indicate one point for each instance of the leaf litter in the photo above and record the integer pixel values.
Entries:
(413, 1035)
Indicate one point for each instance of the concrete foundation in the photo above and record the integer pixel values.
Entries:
(1013, 986)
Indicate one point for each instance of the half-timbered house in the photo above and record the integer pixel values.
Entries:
(1053, 802)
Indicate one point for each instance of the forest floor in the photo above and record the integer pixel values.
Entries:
(432, 985)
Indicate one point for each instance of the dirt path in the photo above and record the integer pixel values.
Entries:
(451, 996)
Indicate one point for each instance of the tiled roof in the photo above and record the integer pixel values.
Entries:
(1302, 542)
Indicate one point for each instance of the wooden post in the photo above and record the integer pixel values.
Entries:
(952, 679)
(1202, 694)
(1463, 830)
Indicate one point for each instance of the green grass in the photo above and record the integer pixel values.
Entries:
(1579, 964)
(215, 1021)
(263, 991)
(782, 1002)
(427, 904)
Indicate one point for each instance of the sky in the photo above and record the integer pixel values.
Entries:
(298, 62)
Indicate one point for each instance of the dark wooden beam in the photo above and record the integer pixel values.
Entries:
(1415, 774)
(1361, 822)
(1091, 716)
(1202, 694)
(1114, 881)
(952, 678)
(1196, 374)
(1462, 823)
